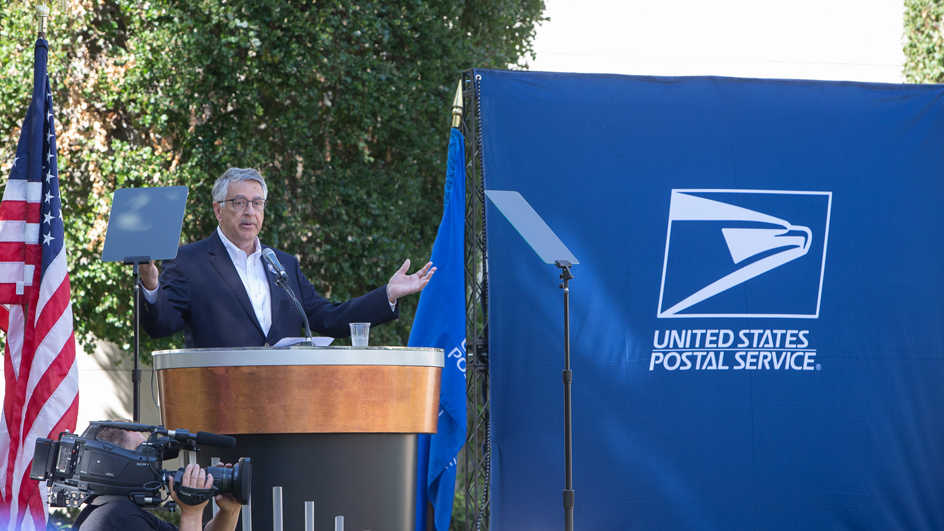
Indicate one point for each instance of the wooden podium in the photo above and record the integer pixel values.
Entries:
(332, 425)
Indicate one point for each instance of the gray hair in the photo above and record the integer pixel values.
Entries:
(116, 436)
(233, 175)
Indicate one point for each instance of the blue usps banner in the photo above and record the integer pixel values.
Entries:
(757, 333)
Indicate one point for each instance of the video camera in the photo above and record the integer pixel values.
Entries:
(78, 468)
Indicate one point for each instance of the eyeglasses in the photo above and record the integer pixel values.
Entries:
(240, 203)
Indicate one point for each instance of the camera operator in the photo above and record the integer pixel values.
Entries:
(120, 513)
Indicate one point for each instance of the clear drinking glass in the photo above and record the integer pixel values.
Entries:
(360, 332)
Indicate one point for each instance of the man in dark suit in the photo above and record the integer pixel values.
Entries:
(221, 293)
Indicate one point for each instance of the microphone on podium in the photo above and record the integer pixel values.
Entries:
(269, 255)
(282, 280)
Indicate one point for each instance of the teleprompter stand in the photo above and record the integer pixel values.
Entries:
(144, 225)
(552, 251)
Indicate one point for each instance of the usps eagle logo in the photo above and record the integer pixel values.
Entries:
(745, 253)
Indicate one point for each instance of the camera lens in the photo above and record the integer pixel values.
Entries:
(236, 481)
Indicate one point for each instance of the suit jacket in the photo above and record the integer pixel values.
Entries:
(201, 293)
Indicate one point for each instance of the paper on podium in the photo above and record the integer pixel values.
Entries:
(317, 341)
(530, 226)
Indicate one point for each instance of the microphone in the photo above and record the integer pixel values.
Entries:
(201, 437)
(269, 255)
(214, 439)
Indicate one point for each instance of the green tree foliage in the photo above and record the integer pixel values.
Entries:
(344, 107)
(924, 41)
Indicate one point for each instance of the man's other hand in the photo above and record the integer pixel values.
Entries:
(149, 275)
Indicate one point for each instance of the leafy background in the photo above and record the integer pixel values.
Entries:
(924, 41)
(344, 107)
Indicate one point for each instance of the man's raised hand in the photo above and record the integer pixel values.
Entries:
(402, 284)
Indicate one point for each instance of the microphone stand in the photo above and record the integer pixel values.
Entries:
(282, 282)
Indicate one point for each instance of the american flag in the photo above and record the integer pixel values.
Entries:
(41, 387)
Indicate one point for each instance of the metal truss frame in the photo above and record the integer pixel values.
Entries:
(476, 463)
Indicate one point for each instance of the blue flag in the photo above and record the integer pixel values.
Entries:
(440, 323)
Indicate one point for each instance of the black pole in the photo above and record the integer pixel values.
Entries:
(566, 276)
(134, 261)
(136, 371)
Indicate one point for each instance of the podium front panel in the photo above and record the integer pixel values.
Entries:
(300, 389)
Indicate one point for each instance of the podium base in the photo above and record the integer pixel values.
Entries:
(369, 478)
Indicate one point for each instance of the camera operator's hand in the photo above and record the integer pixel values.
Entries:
(191, 516)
